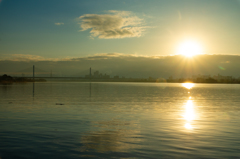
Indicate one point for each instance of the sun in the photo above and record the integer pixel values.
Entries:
(189, 48)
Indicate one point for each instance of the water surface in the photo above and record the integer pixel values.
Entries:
(119, 120)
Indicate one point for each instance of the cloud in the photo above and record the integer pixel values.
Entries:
(128, 65)
(27, 58)
(107, 56)
(116, 24)
(59, 23)
(99, 56)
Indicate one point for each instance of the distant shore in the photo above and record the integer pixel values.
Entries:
(161, 80)
(5, 79)
(133, 80)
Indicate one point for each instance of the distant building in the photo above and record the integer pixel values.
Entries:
(98, 75)
(105, 76)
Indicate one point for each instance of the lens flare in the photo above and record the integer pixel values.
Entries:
(222, 68)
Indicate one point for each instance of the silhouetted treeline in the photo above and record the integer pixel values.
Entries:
(5, 79)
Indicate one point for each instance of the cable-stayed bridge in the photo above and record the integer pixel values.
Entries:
(36, 72)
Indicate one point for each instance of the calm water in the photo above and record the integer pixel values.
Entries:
(119, 120)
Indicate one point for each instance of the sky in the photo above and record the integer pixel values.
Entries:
(63, 30)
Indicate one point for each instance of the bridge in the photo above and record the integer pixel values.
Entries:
(36, 72)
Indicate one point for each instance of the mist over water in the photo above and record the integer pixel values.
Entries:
(122, 120)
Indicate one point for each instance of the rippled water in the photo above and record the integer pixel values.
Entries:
(119, 120)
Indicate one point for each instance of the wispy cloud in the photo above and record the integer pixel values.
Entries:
(27, 57)
(115, 24)
(99, 56)
(116, 55)
(59, 23)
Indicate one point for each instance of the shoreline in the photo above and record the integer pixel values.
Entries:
(112, 81)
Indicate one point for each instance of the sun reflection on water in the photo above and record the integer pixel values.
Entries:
(188, 85)
(188, 126)
(189, 112)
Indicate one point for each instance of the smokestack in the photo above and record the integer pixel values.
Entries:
(33, 72)
(90, 73)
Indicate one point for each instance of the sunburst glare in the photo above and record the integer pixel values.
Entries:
(189, 48)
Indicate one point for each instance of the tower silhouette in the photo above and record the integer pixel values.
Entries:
(90, 75)
(33, 72)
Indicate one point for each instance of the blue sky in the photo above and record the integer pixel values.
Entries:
(55, 29)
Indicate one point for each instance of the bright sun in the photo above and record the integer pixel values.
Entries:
(189, 48)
